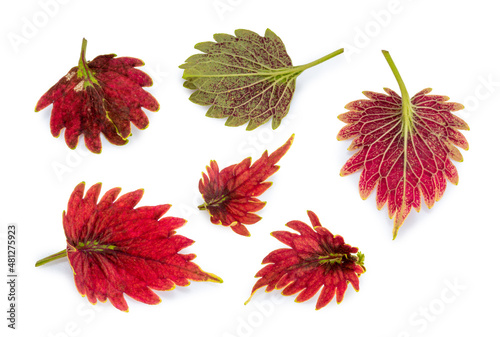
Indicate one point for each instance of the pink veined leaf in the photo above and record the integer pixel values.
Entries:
(404, 147)
(230, 194)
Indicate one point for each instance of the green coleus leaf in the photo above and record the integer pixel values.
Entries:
(246, 77)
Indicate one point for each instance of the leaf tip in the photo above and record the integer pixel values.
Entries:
(395, 230)
(251, 295)
(80, 187)
(214, 278)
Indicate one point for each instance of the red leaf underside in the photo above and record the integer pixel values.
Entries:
(403, 163)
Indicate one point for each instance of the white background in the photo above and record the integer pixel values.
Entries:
(451, 46)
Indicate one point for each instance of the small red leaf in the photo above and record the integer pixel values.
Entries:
(115, 248)
(103, 95)
(230, 195)
(316, 259)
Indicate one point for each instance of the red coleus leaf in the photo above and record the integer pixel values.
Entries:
(103, 95)
(316, 259)
(115, 248)
(404, 147)
(230, 195)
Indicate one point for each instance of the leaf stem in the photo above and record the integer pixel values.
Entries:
(407, 111)
(285, 71)
(84, 49)
(50, 258)
(83, 69)
(320, 60)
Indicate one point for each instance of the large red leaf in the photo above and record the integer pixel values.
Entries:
(115, 248)
(404, 147)
(230, 195)
(103, 95)
(316, 259)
